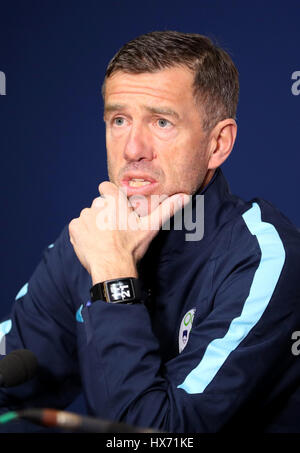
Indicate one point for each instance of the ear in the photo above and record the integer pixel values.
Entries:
(221, 142)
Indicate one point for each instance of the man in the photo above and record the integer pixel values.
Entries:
(157, 330)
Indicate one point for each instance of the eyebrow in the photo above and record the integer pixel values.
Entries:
(158, 110)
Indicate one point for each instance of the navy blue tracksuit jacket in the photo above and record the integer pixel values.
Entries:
(210, 351)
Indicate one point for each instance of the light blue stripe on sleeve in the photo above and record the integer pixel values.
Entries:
(5, 328)
(262, 288)
(79, 317)
(22, 292)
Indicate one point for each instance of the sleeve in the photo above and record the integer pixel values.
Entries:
(231, 363)
(42, 320)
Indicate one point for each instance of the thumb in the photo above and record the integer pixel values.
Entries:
(165, 211)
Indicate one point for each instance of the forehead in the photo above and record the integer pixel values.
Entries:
(172, 84)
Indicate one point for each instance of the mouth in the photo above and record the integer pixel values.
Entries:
(139, 184)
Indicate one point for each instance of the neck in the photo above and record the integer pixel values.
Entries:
(207, 179)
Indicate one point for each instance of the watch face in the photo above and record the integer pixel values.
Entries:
(121, 290)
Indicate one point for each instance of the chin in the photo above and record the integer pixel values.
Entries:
(142, 207)
(145, 205)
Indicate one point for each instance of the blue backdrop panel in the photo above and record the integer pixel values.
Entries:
(54, 53)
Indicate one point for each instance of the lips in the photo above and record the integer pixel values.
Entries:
(138, 184)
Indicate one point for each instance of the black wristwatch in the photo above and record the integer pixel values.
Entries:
(117, 291)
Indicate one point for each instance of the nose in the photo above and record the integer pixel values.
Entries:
(138, 145)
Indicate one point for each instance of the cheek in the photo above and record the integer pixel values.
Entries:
(114, 158)
(112, 166)
(186, 171)
(182, 163)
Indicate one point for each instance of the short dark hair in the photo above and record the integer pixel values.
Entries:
(216, 80)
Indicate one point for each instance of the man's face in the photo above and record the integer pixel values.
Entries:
(154, 137)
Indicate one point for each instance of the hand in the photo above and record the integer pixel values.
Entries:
(109, 238)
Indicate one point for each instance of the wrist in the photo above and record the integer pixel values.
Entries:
(101, 274)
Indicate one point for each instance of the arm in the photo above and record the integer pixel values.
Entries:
(226, 371)
(237, 369)
(42, 320)
(230, 372)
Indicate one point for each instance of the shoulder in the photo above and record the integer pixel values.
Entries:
(270, 228)
(256, 234)
(62, 265)
(258, 268)
(251, 224)
(265, 245)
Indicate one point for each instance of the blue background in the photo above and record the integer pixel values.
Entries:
(54, 55)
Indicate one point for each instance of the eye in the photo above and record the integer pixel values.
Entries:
(163, 123)
(118, 121)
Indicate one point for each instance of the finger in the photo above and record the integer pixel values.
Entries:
(166, 210)
(73, 226)
(118, 198)
(98, 202)
(173, 204)
(107, 188)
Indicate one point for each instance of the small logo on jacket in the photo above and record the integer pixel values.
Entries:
(185, 328)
